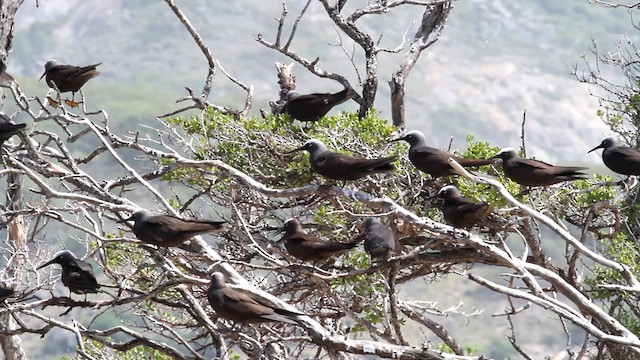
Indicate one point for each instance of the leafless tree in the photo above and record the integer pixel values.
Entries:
(221, 164)
(435, 14)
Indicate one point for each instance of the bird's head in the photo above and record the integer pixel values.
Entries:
(448, 191)
(48, 66)
(62, 258)
(413, 137)
(138, 216)
(217, 280)
(505, 154)
(370, 222)
(312, 146)
(606, 143)
(291, 226)
(291, 95)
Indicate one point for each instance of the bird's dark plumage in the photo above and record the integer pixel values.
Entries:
(167, 230)
(378, 239)
(307, 247)
(77, 275)
(338, 166)
(242, 306)
(312, 107)
(460, 211)
(68, 77)
(433, 161)
(8, 129)
(620, 159)
(529, 172)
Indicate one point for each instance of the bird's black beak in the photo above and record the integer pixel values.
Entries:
(396, 139)
(53, 261)
(125, 220)
(295, 150)
(496, 156)
(597, 147)
(43, 74)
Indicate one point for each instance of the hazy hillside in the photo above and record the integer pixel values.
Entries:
(494, 60)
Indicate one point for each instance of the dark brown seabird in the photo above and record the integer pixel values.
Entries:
(459, 211)
(167, 230)
(529, 172)
(307, 247)
(243, 306)
(8, 129)
(338, 166)
(620, 159)
(433, 161)
(312, 107)
(378, 239)
(77, 275)
(67, 78)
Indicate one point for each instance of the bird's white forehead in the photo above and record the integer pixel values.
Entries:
(506, 150)
(63, 252)
(447, 188)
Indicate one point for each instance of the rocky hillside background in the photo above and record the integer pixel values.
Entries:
(494, 60)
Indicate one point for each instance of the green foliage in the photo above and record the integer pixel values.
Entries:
(468, 350)
(588, 196)
(99, 351)
(259, 146)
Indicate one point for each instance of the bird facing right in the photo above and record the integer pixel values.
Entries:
(243, 306)
(312, 107)
(620, 159)
(460, 211)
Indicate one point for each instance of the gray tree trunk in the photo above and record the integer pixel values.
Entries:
(11, 345)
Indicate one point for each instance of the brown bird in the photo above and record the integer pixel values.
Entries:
(8, 129)
(312, 107)
(65, 78)
(77, 275)
(460, 211)
(620, 159)
(338, 166)
(307, 247)
(378, 239)
(167, 230)
(243, 306)
(433, 161)
(529, 172)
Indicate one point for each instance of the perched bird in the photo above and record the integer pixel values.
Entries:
(77, 275)
(167, 230)
(621, 159)
(65, 78)
(312, 107)
(8, 129)
(5, 79)
(378, 239)
(338, 166)
(529, 172)
(460, 211)
(5, 293)
(307, 247)
(243, 306)
(433, 161)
